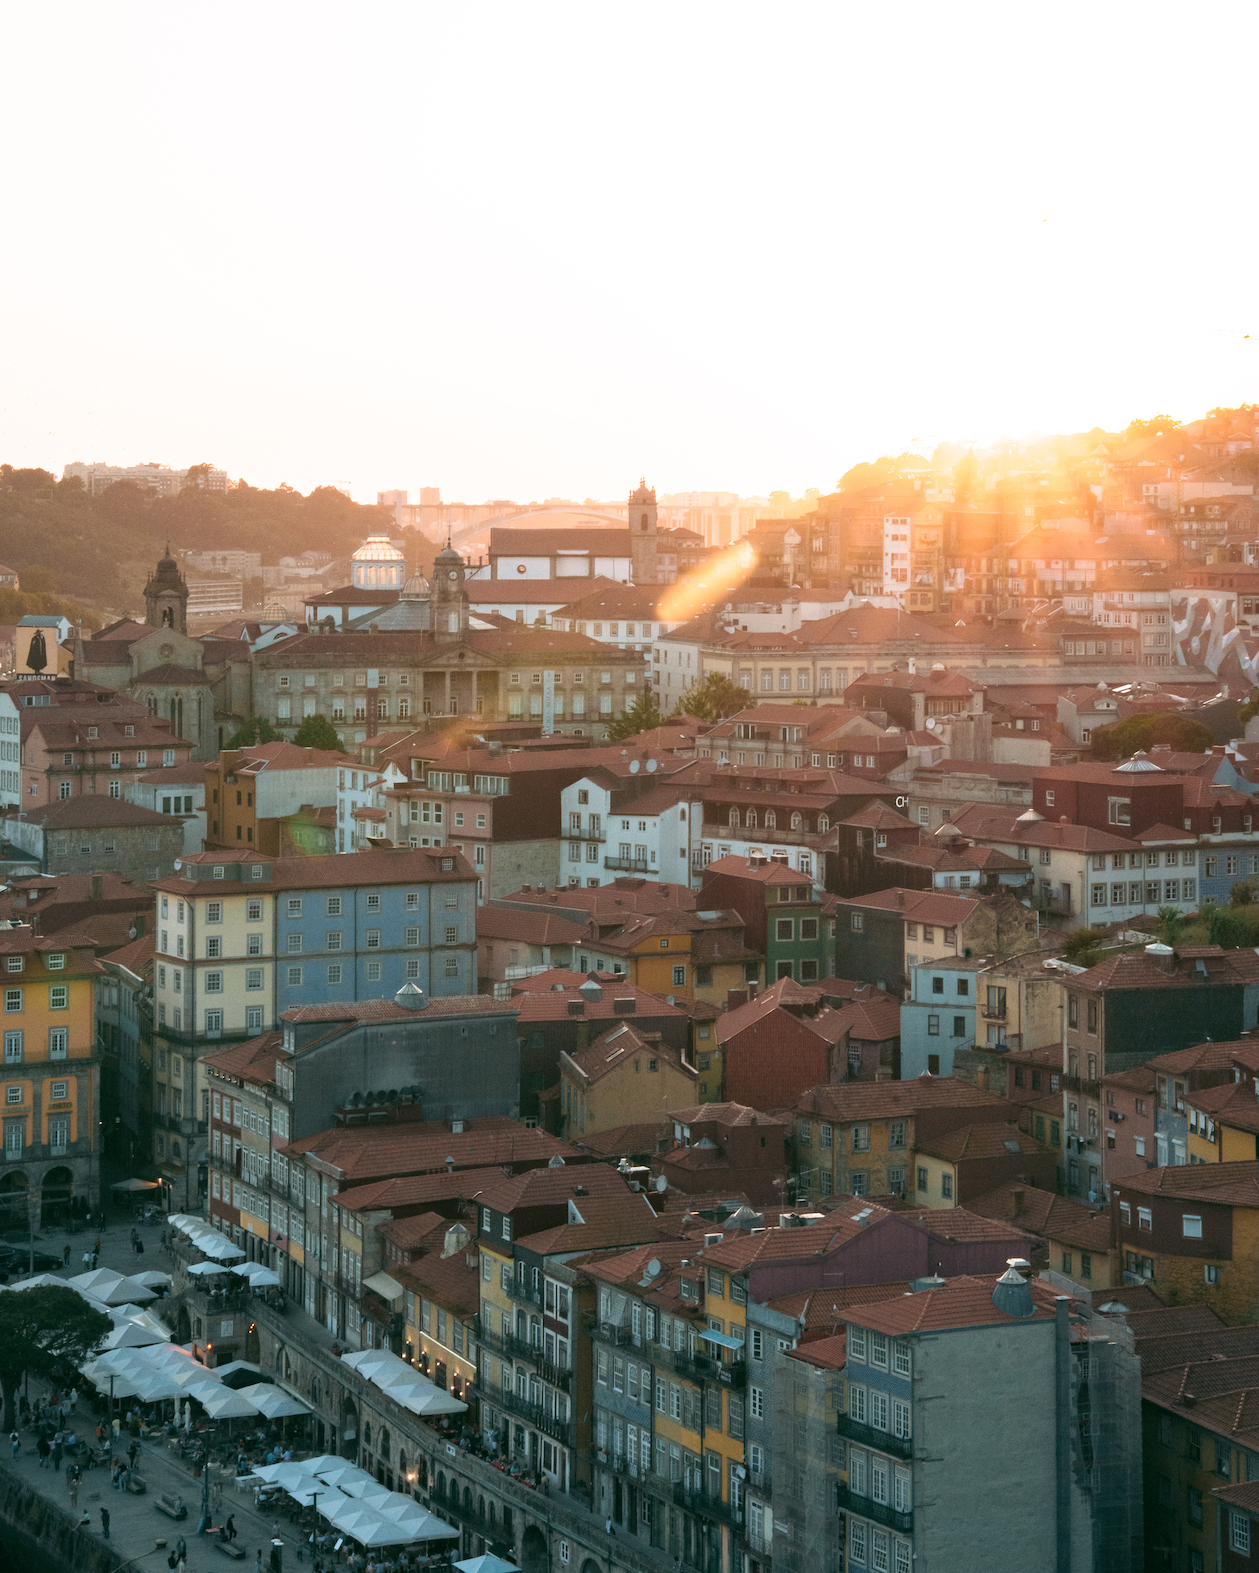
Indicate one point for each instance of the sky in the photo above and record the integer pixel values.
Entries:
(521, 251)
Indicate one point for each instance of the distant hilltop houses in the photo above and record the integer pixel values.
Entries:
(157, 478)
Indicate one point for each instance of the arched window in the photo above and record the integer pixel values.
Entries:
(823, 823)
(367, 1435)
(751, 819)
(771, 819)
(384, 1445)
(644, 521)
(279, 1359)
(682, 816)
(734, 818)
(797, 821)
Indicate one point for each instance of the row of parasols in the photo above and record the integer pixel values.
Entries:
(355, 1503)
(122, 1298)
(220, 1251)
(168, 1371)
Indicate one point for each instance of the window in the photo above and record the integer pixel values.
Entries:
(933, 1026)
(253, 977)
(1191, 1226)
(59, 997)
(214, 982)
(1145, 1219)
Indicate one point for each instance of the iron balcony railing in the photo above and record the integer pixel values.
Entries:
(880, 1441)
(707, 1506)
(559, 1430)
(524, 1349)
(867, 1507)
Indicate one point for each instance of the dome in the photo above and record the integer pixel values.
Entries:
(417, 588)
(644, 493)
(449, 555)
(377, 548)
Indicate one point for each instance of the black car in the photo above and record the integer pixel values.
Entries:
(16, 1261)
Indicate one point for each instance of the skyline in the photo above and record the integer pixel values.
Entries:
(512, 256)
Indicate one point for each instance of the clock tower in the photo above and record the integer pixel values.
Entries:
(643, 541)
(449, 600)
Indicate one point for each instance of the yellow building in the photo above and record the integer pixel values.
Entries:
(51, 1079)
(951, 1166)
(694, 955)
(625, 1077)
(1223, 1123)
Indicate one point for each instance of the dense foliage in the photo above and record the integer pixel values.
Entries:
(642, 716)
(713, 699)
(316, 731)
(47, 1331)
(103, 549)
(1180, 732)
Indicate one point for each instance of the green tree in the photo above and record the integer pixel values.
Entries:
(199, 476)
(316, 731)
(1082, 946)
(712, 699)
(257, 729)
(642, 716)
(1243, 892)
(1180, 732)
(45, 1330)
(1169, 921)
(1249, 708)
(880, 471)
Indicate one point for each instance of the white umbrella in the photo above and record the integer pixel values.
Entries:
(152, 1279)
(40, 1281)
(356, 1519)
(434, 1528)
(430, 1401)
(363, 1487)
(316, 1466)
(259, 1277)
(215, 1245)
(272, 1402)
(153, 1385)
(131, 1335)
(125, 1292)
(204, 1269)
(204, 1390)
(228, 1405)
(231, 1368)
(341, 1474)
(486, 1564)
(94, 1283)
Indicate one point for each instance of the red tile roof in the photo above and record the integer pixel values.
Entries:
(981, 1141)
(845, 1102)
(1043, 1212)
(1229, 1184)
(962, 1302)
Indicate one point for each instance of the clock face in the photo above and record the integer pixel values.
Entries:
(454, 573)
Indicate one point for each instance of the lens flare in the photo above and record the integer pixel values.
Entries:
(704, 586)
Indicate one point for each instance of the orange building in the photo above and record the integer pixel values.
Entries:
(51, 1078)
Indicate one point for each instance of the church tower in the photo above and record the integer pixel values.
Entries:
(449, 599)
(166, 597)
(642, 523)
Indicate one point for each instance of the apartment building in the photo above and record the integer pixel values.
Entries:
(52, 1075)
(612, 826)
(782, 912)
(938, 1379)
(249, 792)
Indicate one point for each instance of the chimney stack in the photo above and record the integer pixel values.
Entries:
(1019, 1200)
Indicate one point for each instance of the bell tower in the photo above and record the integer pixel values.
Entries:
(449, 599)
(642, 523)
(166, 596)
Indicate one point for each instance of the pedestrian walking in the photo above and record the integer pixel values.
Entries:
(43, 1449)
(139, 1247)
(65, 1255)
(229, 1529)
(181, 1548)
(87, 1261)
(56, 1451)
(105, 1522)
(608, 1526)
(16, 1440)
(258, 1561)
(96, 1248)
(74, 1491)
(131, 1453)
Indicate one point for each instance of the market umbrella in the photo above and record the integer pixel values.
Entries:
(364, 1487)
(273, 1403)
(434, 1528)
(341, 1474)
(131, 1335)
(125, 1292)
(94, 1283)
(204, 1269)
(488, 1563)
(227, 1405)
(325, 1461)
(215, 1245)
(259, 1277)
(152, 1279)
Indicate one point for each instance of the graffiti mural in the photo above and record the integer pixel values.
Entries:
(1205, 632)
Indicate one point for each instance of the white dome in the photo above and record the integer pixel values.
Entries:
(378, 549)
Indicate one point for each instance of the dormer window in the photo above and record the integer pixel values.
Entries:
(56, 962)
(218, 871)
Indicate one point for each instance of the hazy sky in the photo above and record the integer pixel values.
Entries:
(539, 249)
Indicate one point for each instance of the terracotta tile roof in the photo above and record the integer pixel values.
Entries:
(551, 1002)
(880, 1100)
(414, 1190)
(1245, 1495)
(447, 1279)
(546, 1186)
(609, 1222)
(1201, 1057)
(829, 1354)
(533, 928)
(1137, 970)
(374, 866)
(95, 809)
(962, 1302)
(878, 816)
(626, 1140)
(771, 872)
(1233, 1104)
(727, 1115)
(611, 1051)
(1159, 1320)
(253, 1061)
(609, 903)
(137, 957)
(375, 1152)
(917, 906)
(388, 1010)
(407, 1233)
(816, 1308)
(1229, 1184)
(1203, 1380)
(1207, 1341)
(1044, 1213)
(1140, 1079)
(981, 1141)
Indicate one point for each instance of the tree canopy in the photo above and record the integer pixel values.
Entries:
(1151, 427)
(880, 471)
(316, 731)
(1180, 732)
(44, 1330)
(642, 716)
(1083, 946)
(254, 729)
(712, 699)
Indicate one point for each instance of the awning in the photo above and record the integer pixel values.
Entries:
(382, 1284)
(724, 1339)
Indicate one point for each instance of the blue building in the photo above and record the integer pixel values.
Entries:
(359, 927)
(938, 1014)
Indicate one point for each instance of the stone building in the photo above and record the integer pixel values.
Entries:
(88, 835)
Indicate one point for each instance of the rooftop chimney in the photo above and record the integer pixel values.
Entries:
(1011, 1293)
(1019, 1199)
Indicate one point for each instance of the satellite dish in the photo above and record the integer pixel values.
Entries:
(179, 863)
(662, 1184)
(652, 765)
(633, 767)
(931, 723)
(653, 1266)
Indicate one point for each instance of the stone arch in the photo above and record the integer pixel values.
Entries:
(183, 1327)
(384, 1445)
(751, 819)
(439, 1485)
(467, 1500)
(367, 1434)
(349, 1428)
(535, 1555)
(590, 1566)
(15, 1201)
(771, 819)
(279, 1357)
(56, 1197)
(734, 818)
(797, 821)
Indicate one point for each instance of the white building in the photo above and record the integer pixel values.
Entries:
(608, 830)
(361, 808)
(10, 752)
(896, 555)
(177, 789)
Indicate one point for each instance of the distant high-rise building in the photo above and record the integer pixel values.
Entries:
(158, 478)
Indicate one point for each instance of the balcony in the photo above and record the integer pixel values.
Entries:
(760, 833)
(993, 1012)
(619, 1464)
(880, 1441)
(611, 1333)
(525, 1293)
(584, 835)
(523, 1349)
(699, 1368)
(1090, 1089)
(761, 1481)
(563, 1431)
(628, 865)
(866, 1507)
(759, 1545)
(707, 1506)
